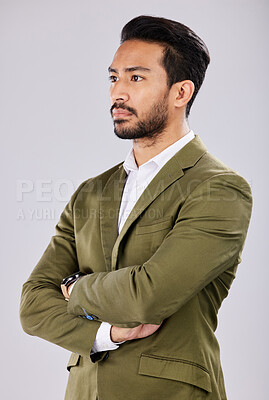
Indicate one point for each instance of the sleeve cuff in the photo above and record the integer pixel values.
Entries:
(103, 340)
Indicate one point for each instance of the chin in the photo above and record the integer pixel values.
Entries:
(123, 130)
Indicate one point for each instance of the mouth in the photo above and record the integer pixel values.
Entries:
(120, 113)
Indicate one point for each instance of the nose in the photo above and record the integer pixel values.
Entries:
(119, 92)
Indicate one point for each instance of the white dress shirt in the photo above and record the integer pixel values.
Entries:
(138, 178)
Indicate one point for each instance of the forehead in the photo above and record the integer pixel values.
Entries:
(137, 52)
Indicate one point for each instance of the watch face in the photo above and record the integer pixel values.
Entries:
(72, 278)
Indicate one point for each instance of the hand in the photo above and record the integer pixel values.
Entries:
(139, 332)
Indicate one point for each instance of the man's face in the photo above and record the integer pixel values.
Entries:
(139, 93)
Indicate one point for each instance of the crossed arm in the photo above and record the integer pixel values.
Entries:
(117, 334)
(207, 238)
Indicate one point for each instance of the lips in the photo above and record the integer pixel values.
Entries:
(120, 113)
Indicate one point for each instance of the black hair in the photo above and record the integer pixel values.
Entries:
(185, 55)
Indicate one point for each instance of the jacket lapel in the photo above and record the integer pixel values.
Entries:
(109, 211)
(172, 171)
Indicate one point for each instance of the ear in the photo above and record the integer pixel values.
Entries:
(183, 93)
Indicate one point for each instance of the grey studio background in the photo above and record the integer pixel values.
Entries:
(56, 131)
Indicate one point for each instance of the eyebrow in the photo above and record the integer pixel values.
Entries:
(129, 69)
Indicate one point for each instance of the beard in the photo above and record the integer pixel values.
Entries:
(151, 126)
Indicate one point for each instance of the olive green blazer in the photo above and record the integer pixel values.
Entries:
(173, 261)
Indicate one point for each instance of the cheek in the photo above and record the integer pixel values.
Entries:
(147, 103)
(144, 102)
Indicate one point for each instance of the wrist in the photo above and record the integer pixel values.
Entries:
(68, 283)
(115, 337)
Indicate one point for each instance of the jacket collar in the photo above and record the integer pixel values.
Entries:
(160, 159)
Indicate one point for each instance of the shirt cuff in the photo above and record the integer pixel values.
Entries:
(103, 340)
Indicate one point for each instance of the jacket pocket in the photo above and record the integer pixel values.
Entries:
(175, 369)
(73, 360)
(157, 225)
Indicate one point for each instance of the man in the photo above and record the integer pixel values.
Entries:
(156, 239)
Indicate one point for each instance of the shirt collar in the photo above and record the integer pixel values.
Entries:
(161, 158)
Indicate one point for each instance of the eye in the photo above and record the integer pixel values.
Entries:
(136, 78)
(113, 78)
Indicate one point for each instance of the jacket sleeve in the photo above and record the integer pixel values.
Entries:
(43, 309)
(207, 238)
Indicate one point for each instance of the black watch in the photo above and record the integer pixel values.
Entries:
(72, 278)
(69, 280)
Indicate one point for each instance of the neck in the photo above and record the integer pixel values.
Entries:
(145, 148)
